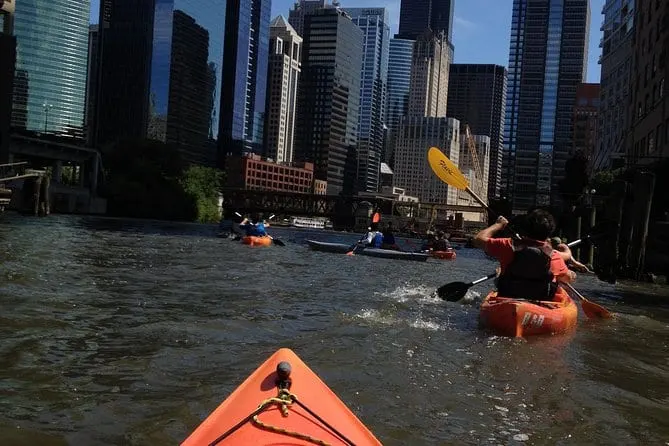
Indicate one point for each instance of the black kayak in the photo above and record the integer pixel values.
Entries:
(371, 252)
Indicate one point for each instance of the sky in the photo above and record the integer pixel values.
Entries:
(480, 34)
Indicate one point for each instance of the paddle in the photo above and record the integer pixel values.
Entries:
(354, 247)
(591, 309)
(276, 241)
(455, 291)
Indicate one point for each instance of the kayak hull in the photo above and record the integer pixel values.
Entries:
(444, 255)
(256, 241)
(520, 318)
(395, 255)
(262, 385)
(339, 248)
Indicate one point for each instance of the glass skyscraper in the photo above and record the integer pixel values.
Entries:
(547, 61)
(246, 56)
(161, 73)
(373, 88)
(418, 15)
(399, 80)
(51, 65)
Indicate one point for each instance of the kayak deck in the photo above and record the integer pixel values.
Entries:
(518, 318)
(341, 248)
(293, 406)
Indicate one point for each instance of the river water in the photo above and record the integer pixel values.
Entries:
(130, 332)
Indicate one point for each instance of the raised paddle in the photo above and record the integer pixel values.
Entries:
(455, 291)
(354, 247)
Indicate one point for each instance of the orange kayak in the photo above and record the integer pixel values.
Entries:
(256, 241)
(292, 407)
(516, 318)
(444, 255)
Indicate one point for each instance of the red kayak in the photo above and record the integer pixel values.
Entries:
(282, 403)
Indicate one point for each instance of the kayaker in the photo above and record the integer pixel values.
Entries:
(373, 238)
(389, 238)
(255, 228)
(441, 243)
(529, 268)
(559, 245)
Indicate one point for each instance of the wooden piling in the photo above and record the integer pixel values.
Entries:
(589, 247)
(607, 260)
(37, 188)
(45, 203)
(644, 186)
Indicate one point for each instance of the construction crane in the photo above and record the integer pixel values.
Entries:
(478, 171)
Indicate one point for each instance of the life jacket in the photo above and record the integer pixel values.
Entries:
(377, 241)
(529, 275)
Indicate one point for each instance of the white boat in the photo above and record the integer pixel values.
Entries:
(311, 223)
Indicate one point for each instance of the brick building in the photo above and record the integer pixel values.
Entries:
(585, 119)
(252, 172)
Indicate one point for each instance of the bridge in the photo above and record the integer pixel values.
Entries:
(340, 210)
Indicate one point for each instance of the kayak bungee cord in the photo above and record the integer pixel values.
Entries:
(284, 400)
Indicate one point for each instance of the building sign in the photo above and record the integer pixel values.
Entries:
(106, 12)
(8, 6)
(374, 11)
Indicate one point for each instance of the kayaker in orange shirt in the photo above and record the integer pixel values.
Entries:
(529, 268)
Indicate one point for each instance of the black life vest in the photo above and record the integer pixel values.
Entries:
(529, 275)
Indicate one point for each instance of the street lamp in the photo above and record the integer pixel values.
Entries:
(47, 107)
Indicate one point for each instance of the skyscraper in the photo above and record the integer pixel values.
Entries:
(373, 89)
(161, 80)
(329, 97)
(428, 90)
(92, 81)
(616, 61)
(477, 181)
(302, 8)
(547, 60)
(246, 55)
(585, 120)
(418, 15)
(51, 55)
(399, 80)
(284, 72)
(477, 96)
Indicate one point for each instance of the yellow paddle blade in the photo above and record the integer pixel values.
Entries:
(445, 169)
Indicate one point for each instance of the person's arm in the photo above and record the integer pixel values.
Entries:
(565, 252)
(484, 235)
(567, 277)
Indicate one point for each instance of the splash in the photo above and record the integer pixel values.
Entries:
(407, 292)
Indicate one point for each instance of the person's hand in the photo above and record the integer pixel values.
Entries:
(502, 221)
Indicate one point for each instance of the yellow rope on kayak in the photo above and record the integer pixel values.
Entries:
(284, 401)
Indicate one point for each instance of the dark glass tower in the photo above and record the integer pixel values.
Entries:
(477, 96)
(246, 58)
(418, 15)
(161, 72)
(399, 80)
(51, 65)
(547, 61)
(329, 97)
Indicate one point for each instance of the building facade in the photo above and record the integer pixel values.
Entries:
(162, 81)
(547, 61)
(283, 77)
(51, 66)
(374, 24)
(477, 182)
(92, 82)
(649, 114)
(252, 172)
(8, 55)
(418, 15)
(400, 57)
(428, 89)
(412, 171)
(244, 89)
(477, 96)
(585, 120)
(329, 98)
(300, 9)
(616, 66)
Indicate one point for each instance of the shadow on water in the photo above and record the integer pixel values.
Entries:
(131, 332)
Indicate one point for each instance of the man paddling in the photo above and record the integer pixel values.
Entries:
(529, 267)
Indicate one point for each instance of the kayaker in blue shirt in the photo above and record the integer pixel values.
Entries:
(255, 228)
(389, 238)
(373, 238)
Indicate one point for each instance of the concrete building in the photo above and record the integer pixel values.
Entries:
(547, 60)
(329, 98)
(418, 15)
(428, 90)
(300, 9)
(399, 80)
(477, 96)
(616, 65)
(282, 81)
(478, 183)
(649, 107)
(375, 27)
(412, 171)
(585, 120)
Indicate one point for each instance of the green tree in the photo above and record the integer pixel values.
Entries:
(203, 185)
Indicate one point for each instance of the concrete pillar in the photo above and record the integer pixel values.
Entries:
(57, 176)
(95, 166)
